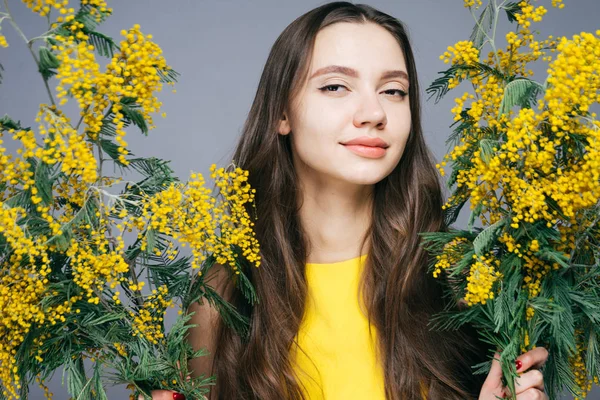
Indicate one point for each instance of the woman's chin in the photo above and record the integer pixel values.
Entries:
(362, 177)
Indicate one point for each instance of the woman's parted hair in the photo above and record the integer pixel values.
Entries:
(398, 293)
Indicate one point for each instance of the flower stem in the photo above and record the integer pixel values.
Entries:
(489, 39)
(138, 294)
(30, 47)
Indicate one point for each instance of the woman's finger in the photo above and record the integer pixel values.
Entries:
(533, 394)
(164, 395)
(535, 358)
(532, 379)
(492, 387)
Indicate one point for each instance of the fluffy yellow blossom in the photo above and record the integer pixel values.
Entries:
(64, 145)
(451, 254)
(3, 42)
(526, 341)
(191, 215)
(529, 313)
(148, 321)
(96, 264)
(462, 52)
(43, 7)
(535, 270)
(460, 102)
(23, 286)
(577, 363)
(526, 165)
(121, 349)
(482, 276)
(534, 245)
(526, 152)
(52, 282)
(133, 73)
(471, 3)
(522, 47)
(573, 77)
(510, 243)
(47, 393)
(529, 13)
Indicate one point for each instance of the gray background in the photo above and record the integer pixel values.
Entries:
(220, 48)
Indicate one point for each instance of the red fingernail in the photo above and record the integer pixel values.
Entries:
(519, 364)
(178, 396)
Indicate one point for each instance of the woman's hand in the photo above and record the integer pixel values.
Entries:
(529, 385)
(165, 395)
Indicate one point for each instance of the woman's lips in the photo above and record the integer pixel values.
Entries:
(366, 151)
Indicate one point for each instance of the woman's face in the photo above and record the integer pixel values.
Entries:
(356, 87)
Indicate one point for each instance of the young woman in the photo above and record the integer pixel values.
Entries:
(344, 184)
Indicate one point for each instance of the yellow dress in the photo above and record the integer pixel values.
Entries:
(335, 336)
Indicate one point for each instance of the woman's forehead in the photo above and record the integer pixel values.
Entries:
(361, 47)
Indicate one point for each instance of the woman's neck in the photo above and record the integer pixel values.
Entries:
(335, 217)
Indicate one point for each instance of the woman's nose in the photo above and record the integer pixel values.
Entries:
(370, 112)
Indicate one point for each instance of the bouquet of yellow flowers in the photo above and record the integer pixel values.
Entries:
(70, 288)
(526, 155)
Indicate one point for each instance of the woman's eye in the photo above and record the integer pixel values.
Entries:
(334, 88)
(400, 93)
(329, 87)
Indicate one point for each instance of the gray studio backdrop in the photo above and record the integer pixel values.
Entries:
(220, 47)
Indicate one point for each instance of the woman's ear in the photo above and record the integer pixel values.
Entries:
(284, 125)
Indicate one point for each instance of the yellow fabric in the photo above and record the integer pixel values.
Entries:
(335, 336)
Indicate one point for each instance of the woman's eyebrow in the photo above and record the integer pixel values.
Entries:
(354, 73)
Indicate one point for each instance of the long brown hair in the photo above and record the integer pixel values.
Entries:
(398, 293)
